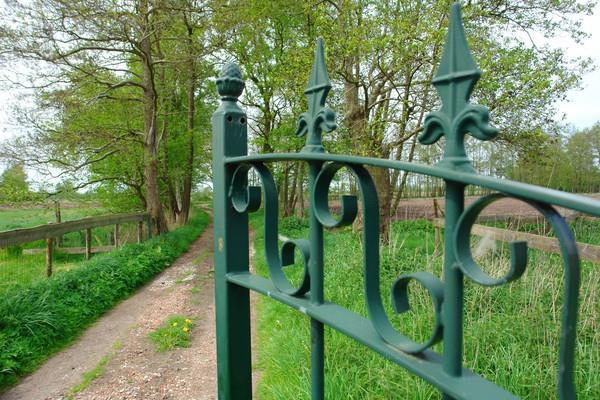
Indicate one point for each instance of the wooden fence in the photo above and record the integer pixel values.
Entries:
(587, 251)
(52, 231)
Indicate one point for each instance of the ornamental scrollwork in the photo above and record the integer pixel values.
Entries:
(371, 259)
(246, 198)
(518, 263)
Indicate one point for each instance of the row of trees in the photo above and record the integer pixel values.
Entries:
(567, 163)
(124, 93)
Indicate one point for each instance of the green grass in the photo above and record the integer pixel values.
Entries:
(195, 290)
(15, 218)
(511, 332)
(24, 270)
(18, 269)
(40, 319)
(89, 376)
(174, 333)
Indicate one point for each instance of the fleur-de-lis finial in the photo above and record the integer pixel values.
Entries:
(454, 81)
(318, 118)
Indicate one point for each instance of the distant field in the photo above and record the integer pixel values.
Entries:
(17, 217)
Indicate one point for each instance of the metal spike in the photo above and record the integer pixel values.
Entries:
(318, 118)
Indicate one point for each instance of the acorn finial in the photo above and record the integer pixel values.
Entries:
(230, 84)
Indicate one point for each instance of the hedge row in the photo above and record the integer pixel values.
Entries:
(40, 319)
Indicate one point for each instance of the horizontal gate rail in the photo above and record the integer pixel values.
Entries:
(234, 199)
(427, 365)
(513, 188)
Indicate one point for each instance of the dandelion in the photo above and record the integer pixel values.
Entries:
(186, 329)
(174, 323)
(188, 321)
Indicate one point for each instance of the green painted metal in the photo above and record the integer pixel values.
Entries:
(234, 199)
(231, 244)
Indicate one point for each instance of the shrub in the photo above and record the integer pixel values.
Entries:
(14, 251)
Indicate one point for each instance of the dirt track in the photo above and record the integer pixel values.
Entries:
(136, 370)
(423, 208)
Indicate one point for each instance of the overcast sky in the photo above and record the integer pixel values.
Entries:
(582, 109)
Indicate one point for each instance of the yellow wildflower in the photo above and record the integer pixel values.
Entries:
(186, 329)
(174, 323)
(188, 321)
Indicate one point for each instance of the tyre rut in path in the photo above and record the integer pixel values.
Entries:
(135, 370)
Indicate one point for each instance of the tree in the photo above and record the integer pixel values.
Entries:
(112, 55)
(389, 51)
(384, 55)
(14, 187)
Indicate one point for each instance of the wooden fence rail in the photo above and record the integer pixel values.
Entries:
(55, 230)
(587, 252)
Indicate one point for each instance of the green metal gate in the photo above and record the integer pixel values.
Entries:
(234, 199)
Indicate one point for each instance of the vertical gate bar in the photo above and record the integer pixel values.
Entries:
(453, 287)
(312, 124)
(455, 79)
(317, 354)
(230, 244)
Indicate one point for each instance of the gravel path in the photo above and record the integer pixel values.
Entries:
(135, 370)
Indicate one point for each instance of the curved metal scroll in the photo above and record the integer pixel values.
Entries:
(246, 198)
(570, 255)
(399, 292)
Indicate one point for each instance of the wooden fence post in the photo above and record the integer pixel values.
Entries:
(58, 221)
(148, 228)
(116, 236)
(49, 251)
(438, 230)
(88, 243)
(140, 232)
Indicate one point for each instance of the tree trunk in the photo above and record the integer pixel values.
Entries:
(300, 190)
(381, 176)
(292, 198)
(153, 204)
(285, 190)
(186, 195)
(173, 206)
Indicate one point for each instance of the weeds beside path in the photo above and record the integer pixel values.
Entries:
(132, 368)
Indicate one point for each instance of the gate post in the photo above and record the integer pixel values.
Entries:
(230, 139)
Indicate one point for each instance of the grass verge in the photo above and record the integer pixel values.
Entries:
(175, 332)
(511, 332)
(41, 319)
